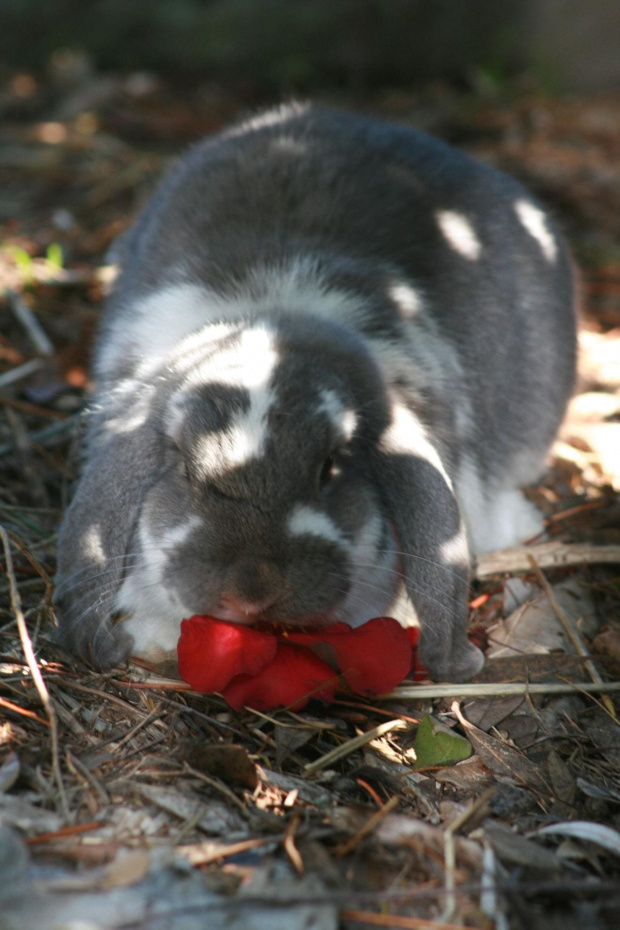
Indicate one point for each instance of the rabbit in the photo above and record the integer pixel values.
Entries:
(335, 351)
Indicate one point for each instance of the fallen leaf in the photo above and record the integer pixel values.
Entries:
(563, 784)
(437, 745)
(226, 761)
(501, 758)
(513, 849)
(129, 868)
(487, 713)
(584, 830)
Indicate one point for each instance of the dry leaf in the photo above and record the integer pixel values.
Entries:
(128, 868)
(513, 849)
(503, 759)
(562, 781)
(228, 762)
(584, 830)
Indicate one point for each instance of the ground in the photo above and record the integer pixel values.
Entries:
(127, 801)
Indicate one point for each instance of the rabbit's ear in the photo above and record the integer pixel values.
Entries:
(431, 538)
(95, 541)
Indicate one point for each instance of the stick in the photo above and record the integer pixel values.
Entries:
(497, 689)
(40, 685)
(547, 555)
(351, 745)
(572, 633)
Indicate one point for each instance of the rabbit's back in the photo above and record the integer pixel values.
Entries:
(452, 269)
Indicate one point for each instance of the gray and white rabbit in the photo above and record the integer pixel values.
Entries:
(335, 351)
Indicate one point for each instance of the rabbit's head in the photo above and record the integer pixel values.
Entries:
(264, 472)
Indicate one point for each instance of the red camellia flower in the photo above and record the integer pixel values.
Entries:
(264, 670)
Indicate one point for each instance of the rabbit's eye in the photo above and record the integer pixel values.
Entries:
(328, 471)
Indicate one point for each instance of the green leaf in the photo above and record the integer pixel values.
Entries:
(436, 745)
(22, 259)
(54, 255)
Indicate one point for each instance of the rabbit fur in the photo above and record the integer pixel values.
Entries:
(335, 351)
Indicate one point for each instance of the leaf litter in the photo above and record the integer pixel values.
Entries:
(126, 800)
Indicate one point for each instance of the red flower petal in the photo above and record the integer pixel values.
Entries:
(212, 652)
(292, 678)
(373, 658)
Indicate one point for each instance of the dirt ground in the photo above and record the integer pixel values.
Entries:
(127, 801)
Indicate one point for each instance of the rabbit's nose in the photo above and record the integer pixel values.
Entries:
(238, 610)
(248, 608)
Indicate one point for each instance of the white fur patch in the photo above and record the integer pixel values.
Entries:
(305, 521)
(297, 287)
(495, 517)
(406, 435)
(534, 221)
(154, 325)
(454, 551)
(151, 329)
(459, 233)
(249, 364)
(407, 299)
(179, 534)
(154, 613)
(344, 421)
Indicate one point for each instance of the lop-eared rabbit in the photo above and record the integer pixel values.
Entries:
(335, 351)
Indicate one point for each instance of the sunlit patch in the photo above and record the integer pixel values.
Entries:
(299, 286)
(272, 117)
(152, 326)
(408, 300)
(534, 221)
(51, 133)
(179, 534)
(288, 145)
(459, 233)
(136, 416)
(92, 545)
(343, 420)
(248, 363)
(305, 521)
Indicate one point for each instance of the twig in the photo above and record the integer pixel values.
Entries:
(21, 371)
(572, 633)
(352, 745)
(397, 920)
(341, 851)
(547, 555)
(87, 775)
(49, 587)
(64, 832)
(39, 683)
(30, 323)
(211, 850)
(288, 844)
(495, 689)
(23, 711)
(54, 431)
(218, 786)
(449, 850)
